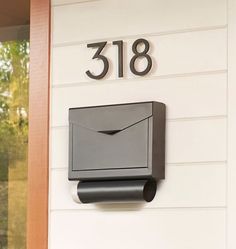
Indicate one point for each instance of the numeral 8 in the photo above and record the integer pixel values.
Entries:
(138, 54)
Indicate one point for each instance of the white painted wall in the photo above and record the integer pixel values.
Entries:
(189, 44)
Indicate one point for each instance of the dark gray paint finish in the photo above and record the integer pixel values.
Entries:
(124, 141)
(116, 191)
(127, 148)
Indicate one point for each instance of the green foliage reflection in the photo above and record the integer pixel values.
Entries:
(14, 82)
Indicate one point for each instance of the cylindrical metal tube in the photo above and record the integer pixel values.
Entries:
(116, 191)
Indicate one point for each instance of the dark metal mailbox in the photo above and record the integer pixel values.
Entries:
(117, 142)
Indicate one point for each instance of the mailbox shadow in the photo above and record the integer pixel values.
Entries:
(114, 207)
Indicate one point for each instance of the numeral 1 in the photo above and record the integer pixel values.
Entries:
(120, 57)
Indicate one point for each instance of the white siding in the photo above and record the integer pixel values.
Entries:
(231, 141)
(170, 54)
(139, 229)
(185, 97)
(112, 18)
(189, 47)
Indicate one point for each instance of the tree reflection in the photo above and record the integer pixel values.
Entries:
(14, 82)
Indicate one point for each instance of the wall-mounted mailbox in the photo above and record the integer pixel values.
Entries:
(117, 152)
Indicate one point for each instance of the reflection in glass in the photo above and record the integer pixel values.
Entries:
(14, 81)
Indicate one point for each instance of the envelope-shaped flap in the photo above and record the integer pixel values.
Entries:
(110, 119)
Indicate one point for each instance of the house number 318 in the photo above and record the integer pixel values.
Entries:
(143, 54)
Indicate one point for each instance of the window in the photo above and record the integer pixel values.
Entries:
(14, 85)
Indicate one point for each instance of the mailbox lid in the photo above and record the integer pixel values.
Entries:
(110, 117)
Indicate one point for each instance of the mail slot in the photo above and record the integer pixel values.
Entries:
(117, 143)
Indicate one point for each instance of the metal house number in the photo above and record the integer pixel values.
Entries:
(143, 54)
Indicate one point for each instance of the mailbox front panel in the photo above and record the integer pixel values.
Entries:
(125, 149)
(112, 142)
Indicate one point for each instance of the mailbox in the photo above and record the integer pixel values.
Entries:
(117, 152)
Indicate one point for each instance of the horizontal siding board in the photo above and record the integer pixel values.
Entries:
(169, 229)
(172, 54)
(196, 141)
(184, 186)
(66, 2)
(187, 141)
(111, 18)
(59, 147)
(195, 96)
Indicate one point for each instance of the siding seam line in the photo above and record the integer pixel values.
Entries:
(177, 164)
(200, 208)
(162, 33)
(132, 80)
(181, 119)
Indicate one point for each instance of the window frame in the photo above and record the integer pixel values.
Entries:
(39, 101)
